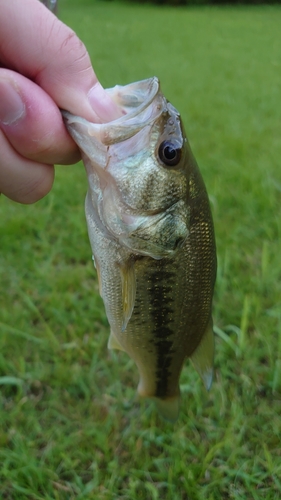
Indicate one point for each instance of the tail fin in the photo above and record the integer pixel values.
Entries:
(168, 408)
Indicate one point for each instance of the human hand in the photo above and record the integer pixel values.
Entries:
(44, 67)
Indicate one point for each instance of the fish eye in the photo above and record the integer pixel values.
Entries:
(169, 153)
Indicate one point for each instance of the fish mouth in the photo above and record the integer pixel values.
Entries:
(142, 102)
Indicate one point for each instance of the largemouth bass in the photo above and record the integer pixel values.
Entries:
(152, 237)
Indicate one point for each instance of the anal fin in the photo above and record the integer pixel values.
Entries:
(203, 356)
(113, 343)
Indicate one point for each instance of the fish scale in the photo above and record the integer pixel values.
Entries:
(152, 237)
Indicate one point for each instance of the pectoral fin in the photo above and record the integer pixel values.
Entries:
(96, 264)
(128, 280)
(203, 357)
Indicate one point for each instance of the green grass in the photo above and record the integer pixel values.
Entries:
(70, 426)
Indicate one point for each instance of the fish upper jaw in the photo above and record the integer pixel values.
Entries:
(135, 97)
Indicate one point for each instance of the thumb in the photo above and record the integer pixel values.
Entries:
(48, 52)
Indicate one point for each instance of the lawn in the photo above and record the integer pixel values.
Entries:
(71, 426)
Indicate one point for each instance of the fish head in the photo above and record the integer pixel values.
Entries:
(138, 169)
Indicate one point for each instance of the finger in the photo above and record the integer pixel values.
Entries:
(23, 180)
(32, 121)
(48, 52)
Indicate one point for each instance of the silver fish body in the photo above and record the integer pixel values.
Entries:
(152, 237)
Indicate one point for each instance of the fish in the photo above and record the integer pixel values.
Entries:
(152, 236)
